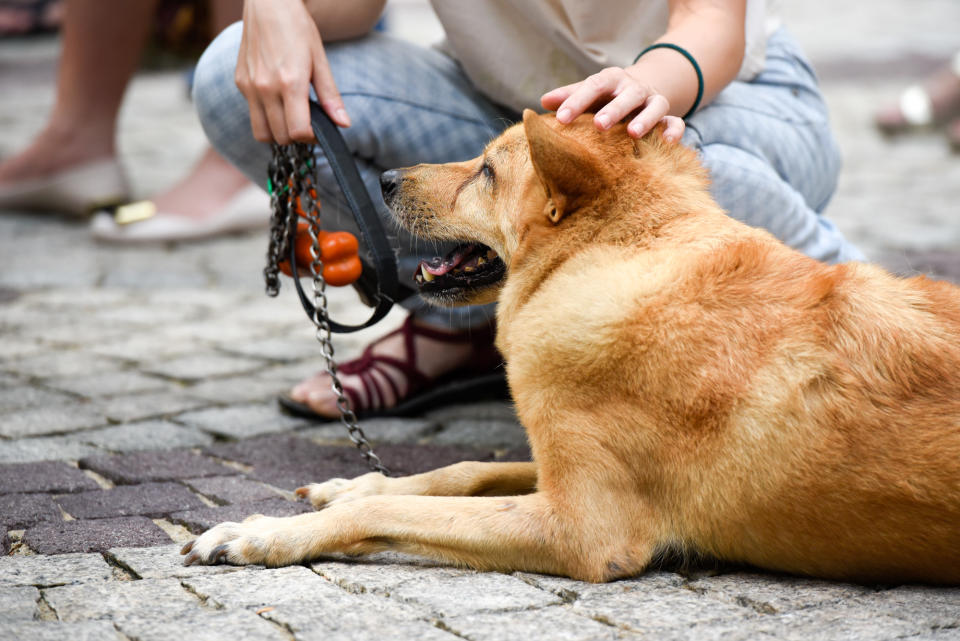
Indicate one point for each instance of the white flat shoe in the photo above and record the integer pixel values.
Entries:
(76, 191)
(141, 222)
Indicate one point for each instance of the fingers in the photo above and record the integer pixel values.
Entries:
(623, 94)
(674, 128)
(327, 92)
(655, 109)
(586, 93)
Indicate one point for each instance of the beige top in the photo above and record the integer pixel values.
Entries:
(514, 51)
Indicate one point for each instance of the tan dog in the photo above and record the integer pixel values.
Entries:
(685, 381)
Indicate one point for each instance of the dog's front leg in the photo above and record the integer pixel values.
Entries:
(527, 533)
(469, 478)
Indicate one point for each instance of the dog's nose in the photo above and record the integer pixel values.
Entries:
(389, 181)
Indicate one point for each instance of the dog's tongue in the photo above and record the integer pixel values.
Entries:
(439, 266)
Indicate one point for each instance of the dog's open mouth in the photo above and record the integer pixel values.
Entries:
(468, 266)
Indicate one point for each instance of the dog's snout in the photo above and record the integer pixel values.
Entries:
(389, 182)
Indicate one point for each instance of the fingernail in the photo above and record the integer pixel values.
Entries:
(563, 115)
(343, 117)
(603, 120)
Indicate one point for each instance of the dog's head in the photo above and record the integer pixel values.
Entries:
(539, 183)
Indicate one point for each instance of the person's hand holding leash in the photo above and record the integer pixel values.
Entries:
(282, 56)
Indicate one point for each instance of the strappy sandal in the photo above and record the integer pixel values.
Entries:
(934, 103)
(483, 379)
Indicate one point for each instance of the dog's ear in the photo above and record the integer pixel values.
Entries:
(568, 169)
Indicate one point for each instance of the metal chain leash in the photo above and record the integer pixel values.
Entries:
(292, 176)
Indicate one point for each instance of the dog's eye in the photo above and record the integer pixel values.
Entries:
(487, 171)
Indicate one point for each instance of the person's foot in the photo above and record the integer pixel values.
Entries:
(209, 186)
(397, 366)
(934, 102)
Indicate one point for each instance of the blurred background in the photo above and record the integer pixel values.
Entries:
(898, 199)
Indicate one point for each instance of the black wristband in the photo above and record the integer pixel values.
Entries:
(693, 61)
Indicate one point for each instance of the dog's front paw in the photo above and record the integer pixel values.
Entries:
(333, 491)
(258, 540)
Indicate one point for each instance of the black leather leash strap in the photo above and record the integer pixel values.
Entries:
(368, 220)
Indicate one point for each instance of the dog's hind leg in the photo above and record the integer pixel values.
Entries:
(469, 478)
(530, 533)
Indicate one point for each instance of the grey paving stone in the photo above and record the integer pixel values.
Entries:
(368, 620)
(50, 476)
(837, 622)
(275, 348)
(384, 572)
(934, 606)
(46, 571)
(645, 605)
(147, 499)
(110, 384)
(237, 389)
(773, 594)
(123, 601)
(202, 519)
(493, 433)
(139, 467)
(145, 435)
(95, 535)
(154, 404)
(204, 625)
(56, 631)
(28, 450)
(143, 347)
(165, 561)
(240, 422)
(200, 366)
(378, 430)
(19, 511)
(23, 396)
(231, 489)
(56, 419)
(559, 623)
(313, 608)
(480, 592)
(58, 364)
(18, 604)
(4, 540)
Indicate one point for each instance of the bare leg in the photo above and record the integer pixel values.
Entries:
(460, 479)
(102, 41)
(213, 181)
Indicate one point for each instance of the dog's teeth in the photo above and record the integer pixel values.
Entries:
(427, 276)
(469, 269)
(481, 261)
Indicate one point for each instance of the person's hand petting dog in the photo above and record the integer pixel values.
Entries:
(663, 84)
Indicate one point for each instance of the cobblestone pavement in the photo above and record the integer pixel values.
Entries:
(137, 407)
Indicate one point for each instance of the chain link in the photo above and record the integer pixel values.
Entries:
(291, 176)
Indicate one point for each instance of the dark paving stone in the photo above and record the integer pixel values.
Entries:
(521, 454)
(231, 489)
(97, 535)
(48, 476)
(198, 521)
(4, 541)
(289, 462)
(140, 467)
(150, 499)
(19, 511)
